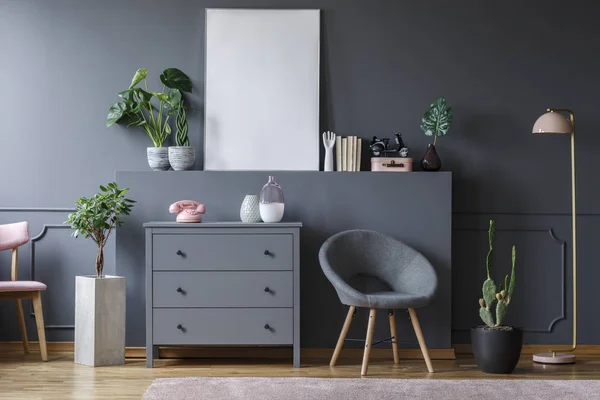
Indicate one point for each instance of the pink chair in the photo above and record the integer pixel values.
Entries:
(11, 237)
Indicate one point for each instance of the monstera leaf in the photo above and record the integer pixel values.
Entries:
(139, 76)
(174, 78)
(116, 112)
(437, 119)
(173, 102)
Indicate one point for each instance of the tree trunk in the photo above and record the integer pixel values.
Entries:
(100, 262)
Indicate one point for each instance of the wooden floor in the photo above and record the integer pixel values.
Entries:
(26, 377)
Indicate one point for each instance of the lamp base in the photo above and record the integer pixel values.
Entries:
(547, 358)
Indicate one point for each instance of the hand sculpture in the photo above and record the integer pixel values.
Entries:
(328, 143)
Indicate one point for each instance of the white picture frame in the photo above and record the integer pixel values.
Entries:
(262, 90)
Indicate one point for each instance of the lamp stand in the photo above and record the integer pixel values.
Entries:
(569, 357)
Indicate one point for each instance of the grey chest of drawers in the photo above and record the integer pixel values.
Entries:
(222, 283)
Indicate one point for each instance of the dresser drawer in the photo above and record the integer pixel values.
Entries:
(222, 252)
(223, 326)
(223, 289)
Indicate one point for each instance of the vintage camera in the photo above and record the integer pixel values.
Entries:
(379, 147)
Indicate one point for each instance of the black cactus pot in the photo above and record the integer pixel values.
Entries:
(497, 351)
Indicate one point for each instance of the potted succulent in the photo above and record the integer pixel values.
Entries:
(100, 299)
(182, 156)
(496, 347)
(435, 122)
(152, 110)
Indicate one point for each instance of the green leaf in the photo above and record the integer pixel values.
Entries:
(489, 258)
(161, 96)
(174, 99)
(115, 113)
(140, 74)
(486, 316)
(174, 78)
(103, 188)
(489, 292)
(501, 311)
(437, 119)
(511, 286)
(181, 125)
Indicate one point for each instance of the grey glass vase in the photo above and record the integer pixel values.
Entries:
(271, 202)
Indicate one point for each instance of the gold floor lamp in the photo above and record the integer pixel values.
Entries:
(554, 121)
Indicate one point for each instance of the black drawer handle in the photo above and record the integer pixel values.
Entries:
(180, 290)
(268, 253)
(180, 327)
(267, 290)
(267, 327)
(180, 253)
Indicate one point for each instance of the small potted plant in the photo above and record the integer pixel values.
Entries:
(100, 299)
(182, 156)
(152, 110)
(435, 122)
(496, 347)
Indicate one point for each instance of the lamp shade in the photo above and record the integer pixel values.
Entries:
(553, 122)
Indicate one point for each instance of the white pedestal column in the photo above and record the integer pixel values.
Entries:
(100, 320)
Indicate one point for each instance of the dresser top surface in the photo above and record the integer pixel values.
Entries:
(220, 224)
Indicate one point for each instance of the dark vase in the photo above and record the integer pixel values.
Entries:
(496, 351)
(431, 161)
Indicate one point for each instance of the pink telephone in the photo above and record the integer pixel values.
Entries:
(188, 211)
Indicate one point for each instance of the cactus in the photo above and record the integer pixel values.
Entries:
(181, 124)
(504, 295)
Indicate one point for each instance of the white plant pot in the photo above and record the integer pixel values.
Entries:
(100, 320)
(158, 158)
(182, 158)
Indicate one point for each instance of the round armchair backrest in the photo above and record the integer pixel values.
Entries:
(371, 253)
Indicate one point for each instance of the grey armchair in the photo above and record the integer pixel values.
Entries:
(372, 270)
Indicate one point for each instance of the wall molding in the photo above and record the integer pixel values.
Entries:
(36, 209)
(563, 247)
(34, 240)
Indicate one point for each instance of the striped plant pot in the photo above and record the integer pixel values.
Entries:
(158, 158)
(182, 158)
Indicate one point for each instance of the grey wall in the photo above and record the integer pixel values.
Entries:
(500, 64)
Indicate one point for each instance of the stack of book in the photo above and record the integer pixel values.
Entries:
(347, 153)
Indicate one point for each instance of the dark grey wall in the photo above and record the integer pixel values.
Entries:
(500, 64)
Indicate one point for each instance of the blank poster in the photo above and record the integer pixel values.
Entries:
(262, 90)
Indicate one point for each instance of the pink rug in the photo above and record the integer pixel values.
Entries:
(368, 389)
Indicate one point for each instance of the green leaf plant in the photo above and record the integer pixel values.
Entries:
(181, 125)
(96, 217)
(151, 110)
(437, 119)
(489, 291)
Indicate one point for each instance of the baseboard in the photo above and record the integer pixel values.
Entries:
(528, 349)
(286, 352)
(243, 352)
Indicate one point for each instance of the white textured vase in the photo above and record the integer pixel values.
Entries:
(100, 320)
(158, 158)
(250, 210)
(182, 158)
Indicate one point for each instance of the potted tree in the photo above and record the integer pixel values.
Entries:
(152, 110)
(435, 122)
(496, 347)
(100, 299)
(182, 156)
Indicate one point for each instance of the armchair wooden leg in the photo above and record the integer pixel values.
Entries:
(420, 338)
(369, 341)
(394, 336)
(39, 321)
(22, 326)
(343, 333)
